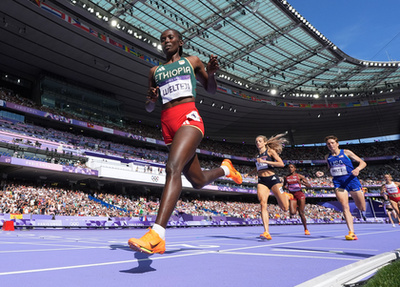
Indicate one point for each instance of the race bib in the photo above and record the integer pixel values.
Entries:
(338, 170)
(392, 189)
(261, 165)
(176, 88)
(294, 187)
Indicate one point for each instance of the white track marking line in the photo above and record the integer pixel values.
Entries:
(231, 236)
(324, 248)
(290, 256)
(48, 244)
(53, 249)
(97, 264)
(228, 251)
(67, 240)
(308, 251)
(300, 241)
(159, 258)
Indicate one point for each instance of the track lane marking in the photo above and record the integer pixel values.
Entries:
(225, 252)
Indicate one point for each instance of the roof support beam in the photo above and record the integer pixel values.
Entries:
(240, 52)
(295, 83)
(342, 77)
(199, 28)
(372, 83)
(288, 63)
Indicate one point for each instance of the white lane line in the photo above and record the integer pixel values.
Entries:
(228, 251)
(290, 256)
(98, 264)
(230, 236)
(161, 257)
(324, 248)
(307, 251)
(251, 234)
(66, 240)
(278, 244)
(321, 250)
(48, 244)
(301, 241)
(53, 249)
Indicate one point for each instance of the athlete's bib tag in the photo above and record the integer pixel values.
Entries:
(294, 187)
(338, 170)
(261, 165)
(392, 189)
(175, 88)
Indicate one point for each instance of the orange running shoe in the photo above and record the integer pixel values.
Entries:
(351, 236)
(289, 195)
(233, 173)
(149, 243)
(266, 235)
(306, 232)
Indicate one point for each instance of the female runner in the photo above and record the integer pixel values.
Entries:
(389, 211)
(267, 159)
(345, 179)
(174, 85)
(292, 183)
(391, 188)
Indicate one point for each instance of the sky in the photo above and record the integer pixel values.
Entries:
(363, 29)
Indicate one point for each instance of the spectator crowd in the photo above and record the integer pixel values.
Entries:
(16, 198)
(60, 146)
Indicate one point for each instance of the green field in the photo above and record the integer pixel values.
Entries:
(388, 276)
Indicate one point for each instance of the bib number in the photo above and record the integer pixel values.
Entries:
(261, 165)
(338, 170)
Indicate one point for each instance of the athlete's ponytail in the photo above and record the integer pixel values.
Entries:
(276, 142)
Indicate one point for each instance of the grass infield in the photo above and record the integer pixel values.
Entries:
(388, 276)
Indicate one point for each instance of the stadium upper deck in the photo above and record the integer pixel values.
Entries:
(70, 41)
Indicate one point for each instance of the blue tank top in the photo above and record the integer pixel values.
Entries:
(340, 165)
(264, 156)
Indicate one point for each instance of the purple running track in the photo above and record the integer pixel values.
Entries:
(211, 256)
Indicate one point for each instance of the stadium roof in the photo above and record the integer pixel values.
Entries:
(263, 46)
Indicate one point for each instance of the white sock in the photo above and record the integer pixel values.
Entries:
(160, 230)
(226, 170)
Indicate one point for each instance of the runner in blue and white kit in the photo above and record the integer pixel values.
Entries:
(345, 179)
